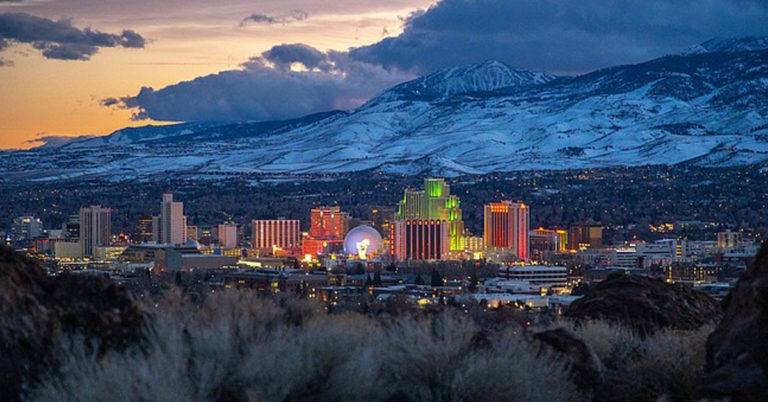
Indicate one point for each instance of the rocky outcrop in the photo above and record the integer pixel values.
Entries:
(38, 311)
(645, 304)
(737, 351)
(587, 371)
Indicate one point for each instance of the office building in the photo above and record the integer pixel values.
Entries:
(171, 226)
(585, 236)
(193, 233)
(228, 235)
(26, 228)
(142, 231)
(728, 239)
(540, 275)
(95, 229)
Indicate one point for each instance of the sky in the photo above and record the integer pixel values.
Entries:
(84, 67)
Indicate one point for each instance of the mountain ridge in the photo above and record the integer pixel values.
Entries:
(704, 108)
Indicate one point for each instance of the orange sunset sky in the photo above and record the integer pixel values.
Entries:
(184, 39)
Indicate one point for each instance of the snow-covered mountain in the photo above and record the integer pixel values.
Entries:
(707, 108)
(464, 80)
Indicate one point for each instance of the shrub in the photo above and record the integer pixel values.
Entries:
(238, 347)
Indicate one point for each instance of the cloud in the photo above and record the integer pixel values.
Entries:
(292, 80)
(283, 56)
(560, 36)
(266, 88)
(295, 15)
(110, 102)
(60, 39)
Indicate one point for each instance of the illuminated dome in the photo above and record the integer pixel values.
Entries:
(364, 242)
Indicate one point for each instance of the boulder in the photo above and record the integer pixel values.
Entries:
(737, 351)
(587, 371)
(646, 304)
(38, 311)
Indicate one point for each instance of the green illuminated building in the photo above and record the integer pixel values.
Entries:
(435, 202)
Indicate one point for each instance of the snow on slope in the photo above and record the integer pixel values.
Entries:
(708, 108)
(489, 76)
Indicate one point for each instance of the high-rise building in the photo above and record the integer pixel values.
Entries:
(142, 231)
(72, 227)
(434, 203)
(95, 228)
(506, 226)
(228, 235)
(328, 226)
(283, 233)
(328, 223)
(171, 226)
(420, 239)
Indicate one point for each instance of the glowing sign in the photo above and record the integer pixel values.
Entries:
(362, 248)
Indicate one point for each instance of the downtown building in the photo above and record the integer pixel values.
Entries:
(428, 223)
(506, 230)
(171, 226)
(95, 229)
(227, 235)
(270, 234)
(328, 226)
(420, 239)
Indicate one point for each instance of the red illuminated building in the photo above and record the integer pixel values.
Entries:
(328, 225)
(506, 227)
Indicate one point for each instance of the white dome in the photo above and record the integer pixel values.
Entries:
(364, 242)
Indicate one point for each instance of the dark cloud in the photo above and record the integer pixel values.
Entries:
(60, 39)
(284, 55)
(110, 102)
(295, 15)
(561, 36)
(266, 89)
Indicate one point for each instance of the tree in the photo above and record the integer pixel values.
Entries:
(437, 280)
(473, 280)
